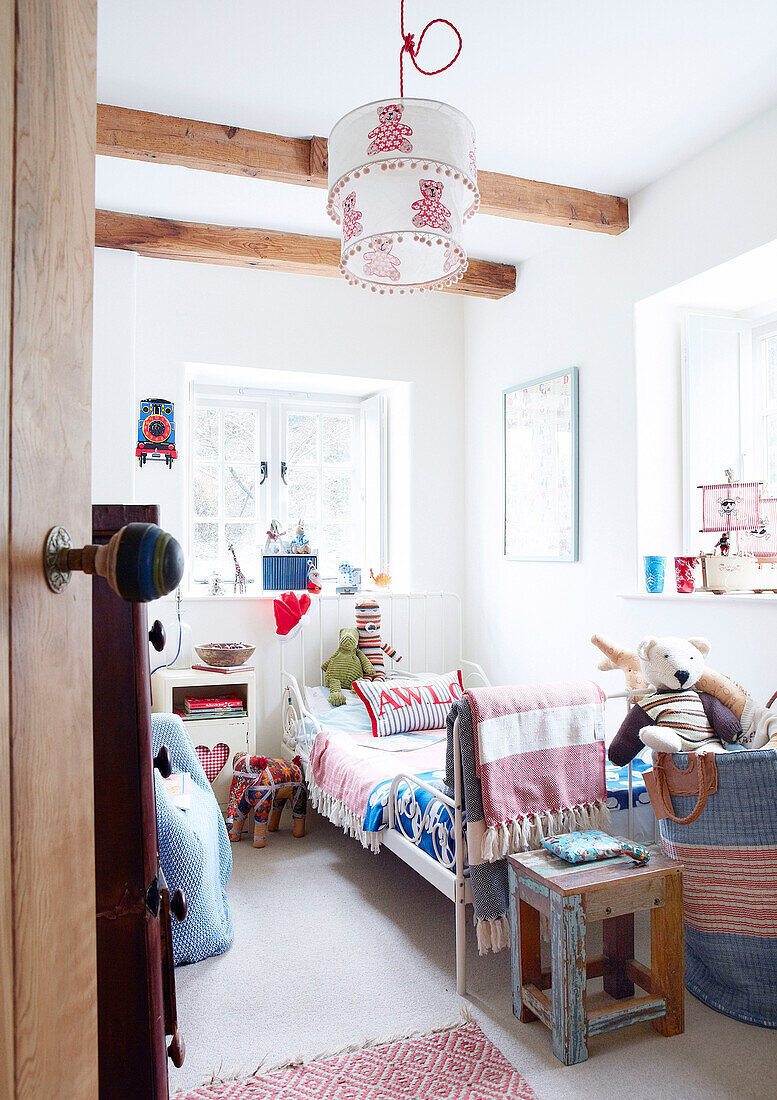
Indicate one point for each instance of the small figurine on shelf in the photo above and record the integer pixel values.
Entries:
(382, 580)
(240, 585)
(723, 544)
(314, 578)
(299, 544)
(214, 584)
(351, 579)
(274, 543)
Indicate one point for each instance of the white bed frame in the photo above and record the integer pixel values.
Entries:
(446, 873)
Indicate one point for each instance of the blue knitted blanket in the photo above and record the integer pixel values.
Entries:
(194, 850)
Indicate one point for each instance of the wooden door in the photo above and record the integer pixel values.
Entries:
(48, 1017)
(133, 973)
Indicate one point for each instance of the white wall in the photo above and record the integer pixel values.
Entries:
(153, 317)
(114, 415)
(575, 305)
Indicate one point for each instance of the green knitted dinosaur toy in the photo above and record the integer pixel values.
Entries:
(345, 666)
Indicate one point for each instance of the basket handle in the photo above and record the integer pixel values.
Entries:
(700, 778)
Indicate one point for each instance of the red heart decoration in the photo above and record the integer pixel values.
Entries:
(289, 610)
(213, 760)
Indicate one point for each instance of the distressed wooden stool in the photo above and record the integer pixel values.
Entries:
(571, 895)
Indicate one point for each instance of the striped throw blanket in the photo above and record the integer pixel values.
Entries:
(540, 761)
(532, 765)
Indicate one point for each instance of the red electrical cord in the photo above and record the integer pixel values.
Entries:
(409, 47)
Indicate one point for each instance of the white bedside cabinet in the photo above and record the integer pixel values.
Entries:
(170, 686)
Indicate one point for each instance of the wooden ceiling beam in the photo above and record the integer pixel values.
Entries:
(267, 250)
(208, 146)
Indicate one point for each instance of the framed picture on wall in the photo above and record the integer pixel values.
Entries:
(540, 428)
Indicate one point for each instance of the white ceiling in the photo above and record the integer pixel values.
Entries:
(602, 94)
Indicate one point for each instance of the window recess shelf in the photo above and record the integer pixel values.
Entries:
(691, 598)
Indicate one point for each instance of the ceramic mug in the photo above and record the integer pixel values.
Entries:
(655, 568)
(685, 573)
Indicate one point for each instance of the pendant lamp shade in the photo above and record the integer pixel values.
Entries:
(402, 182)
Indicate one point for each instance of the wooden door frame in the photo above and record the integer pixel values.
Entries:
(7, 99)
(48, 1010)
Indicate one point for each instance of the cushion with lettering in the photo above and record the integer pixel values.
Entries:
(406, 706)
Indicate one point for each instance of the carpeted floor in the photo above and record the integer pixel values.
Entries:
(335, 946)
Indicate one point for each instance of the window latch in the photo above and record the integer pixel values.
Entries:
(284, 468)
(263, 472)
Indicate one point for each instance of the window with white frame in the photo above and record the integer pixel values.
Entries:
(730, 406)
(259, 456)
(766, 356)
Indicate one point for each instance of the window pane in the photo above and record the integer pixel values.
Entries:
(771, 451)
(337, 495)
(243, 537)
(336, 438)
(303, 495)
(206, 490)
(337, 545)
(240, 492)
(206, 549)
(239, 435)
(206, 433)
(301, 439)
(770, 362)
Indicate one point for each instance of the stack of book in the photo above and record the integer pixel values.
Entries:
(213, 706)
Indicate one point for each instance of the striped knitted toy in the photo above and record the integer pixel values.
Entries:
(368, 625)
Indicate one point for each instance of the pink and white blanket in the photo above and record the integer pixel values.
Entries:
(345, 770)
(539, 756)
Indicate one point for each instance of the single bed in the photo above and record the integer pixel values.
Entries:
(390, 791)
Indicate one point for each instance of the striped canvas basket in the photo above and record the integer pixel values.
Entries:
(718, 816)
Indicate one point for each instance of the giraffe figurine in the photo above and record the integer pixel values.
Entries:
(240, 584)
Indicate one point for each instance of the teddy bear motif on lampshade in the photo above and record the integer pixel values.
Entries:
(402, 182)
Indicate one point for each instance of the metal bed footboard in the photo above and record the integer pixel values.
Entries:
(446, 874)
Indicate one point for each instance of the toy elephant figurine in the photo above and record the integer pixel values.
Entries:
(264, 785)
(345, 666)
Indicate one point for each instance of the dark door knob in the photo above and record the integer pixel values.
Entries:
(162, 762)
(178, 905)
(140, 563)
(177, 1049)
(157, 636)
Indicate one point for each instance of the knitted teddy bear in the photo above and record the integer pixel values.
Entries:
(757, 724)
(347, 664)
(368, 625)
(379, 260)
(351, 217)
(431, 211)
(674, 717)
(390, 134)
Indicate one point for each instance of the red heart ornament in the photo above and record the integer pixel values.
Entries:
(213, 760)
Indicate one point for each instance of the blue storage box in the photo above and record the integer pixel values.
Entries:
(286, 572)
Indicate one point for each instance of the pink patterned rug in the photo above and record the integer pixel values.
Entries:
(457, 1064)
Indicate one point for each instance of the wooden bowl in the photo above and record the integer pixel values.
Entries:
(224, 658)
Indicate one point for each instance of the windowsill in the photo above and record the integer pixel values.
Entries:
(701, 597)
(236, 597)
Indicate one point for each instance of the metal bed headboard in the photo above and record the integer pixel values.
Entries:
(418, 625)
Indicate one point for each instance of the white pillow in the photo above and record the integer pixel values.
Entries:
(317, 699)
(404, 706)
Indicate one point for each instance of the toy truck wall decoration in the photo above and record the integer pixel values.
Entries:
(156, 432)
